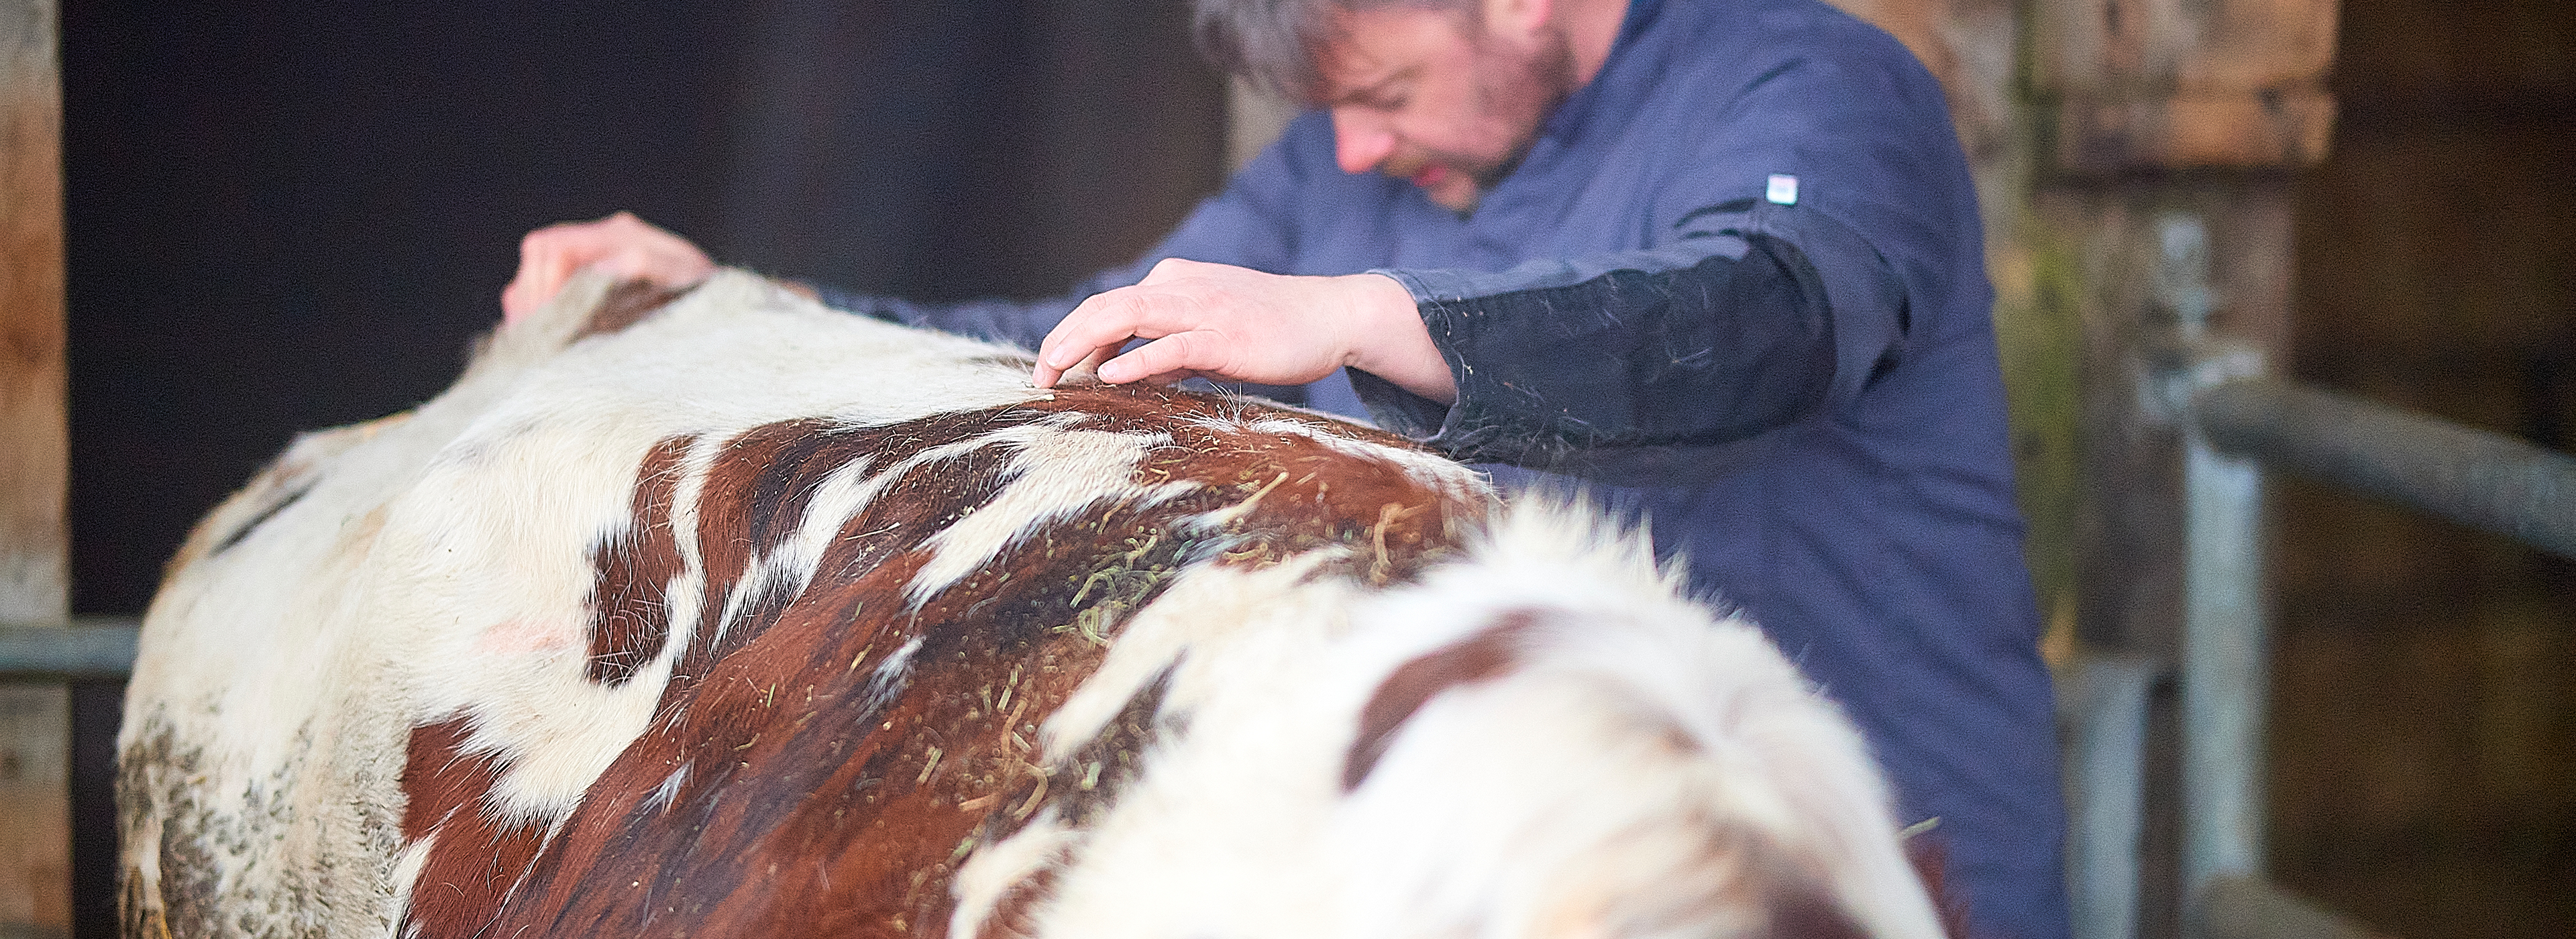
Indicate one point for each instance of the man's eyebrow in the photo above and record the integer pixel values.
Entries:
(1373, 90)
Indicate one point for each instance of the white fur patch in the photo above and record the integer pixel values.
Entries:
(1054, 473)
(994, 869)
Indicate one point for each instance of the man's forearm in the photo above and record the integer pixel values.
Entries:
(1395, 344)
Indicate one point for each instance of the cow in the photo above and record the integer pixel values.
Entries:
(716, 612)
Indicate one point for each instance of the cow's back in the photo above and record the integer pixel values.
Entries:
(728, 614)
(601, 611)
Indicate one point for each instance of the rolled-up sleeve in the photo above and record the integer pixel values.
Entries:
(1623, 365)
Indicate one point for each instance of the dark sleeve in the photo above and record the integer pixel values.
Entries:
(1650, 365)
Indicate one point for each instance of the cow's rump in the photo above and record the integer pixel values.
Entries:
(731, 615)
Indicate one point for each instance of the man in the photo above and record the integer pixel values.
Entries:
(1718, 258)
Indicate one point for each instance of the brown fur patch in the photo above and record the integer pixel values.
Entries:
(629, 597)
(1115, 757)
(1011, 917)
(1802, 911)
(823, 787)
(477, 858)
(1486, 655)
(1931, 864)
(1310, 494)
(1802, 908)
(628, 302)
(277, 501)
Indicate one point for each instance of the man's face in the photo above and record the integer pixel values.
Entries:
(1439, 97)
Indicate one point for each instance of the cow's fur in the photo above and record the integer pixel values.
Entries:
(734, 615)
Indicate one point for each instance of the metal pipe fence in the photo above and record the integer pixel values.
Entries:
(86, 648)
(2480, 479)
(2237, 424)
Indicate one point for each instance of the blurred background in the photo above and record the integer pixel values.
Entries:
(280, 215)
(2424, 736)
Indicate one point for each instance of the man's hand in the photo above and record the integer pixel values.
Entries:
(621, 244)
(1237, 324)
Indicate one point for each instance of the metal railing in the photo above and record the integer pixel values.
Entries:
(2236, 423)
(2483, 480)
(87, 648)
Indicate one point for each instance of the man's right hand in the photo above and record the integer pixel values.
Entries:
(621, 245)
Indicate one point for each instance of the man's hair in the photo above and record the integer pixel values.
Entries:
(1272, 43)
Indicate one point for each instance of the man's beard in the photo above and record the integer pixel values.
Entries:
(1523, 91)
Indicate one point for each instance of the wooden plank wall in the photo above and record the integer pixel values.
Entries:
(2425, 732)
(32, 584)
(35, 889)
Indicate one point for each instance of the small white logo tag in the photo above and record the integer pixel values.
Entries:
(1784, 189)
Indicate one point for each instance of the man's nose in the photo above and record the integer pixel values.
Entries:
(1360, 142)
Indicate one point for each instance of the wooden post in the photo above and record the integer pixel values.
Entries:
(2151, 111)
(2151, 117)
(32, 464)
(35, 862)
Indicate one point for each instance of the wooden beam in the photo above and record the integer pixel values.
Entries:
(35, 850)
(2145, 85)
(2270, 127)
(32, 463)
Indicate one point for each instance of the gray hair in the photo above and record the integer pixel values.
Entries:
(1272, 43)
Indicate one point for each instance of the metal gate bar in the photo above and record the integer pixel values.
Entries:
(89, 648)
(2238, 424)
(2484, 480)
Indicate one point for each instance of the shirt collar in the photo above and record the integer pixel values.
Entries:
(1578, 107)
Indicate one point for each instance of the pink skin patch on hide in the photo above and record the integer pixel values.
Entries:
(529, 635)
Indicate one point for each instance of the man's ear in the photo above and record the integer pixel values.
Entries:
(1517, 20)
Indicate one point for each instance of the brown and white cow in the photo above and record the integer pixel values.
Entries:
(731, 615)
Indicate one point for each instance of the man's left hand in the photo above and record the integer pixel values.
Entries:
(1231, 323)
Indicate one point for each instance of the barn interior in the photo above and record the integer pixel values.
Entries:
(277, 215)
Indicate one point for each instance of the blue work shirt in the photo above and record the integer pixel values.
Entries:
(1737, 285)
